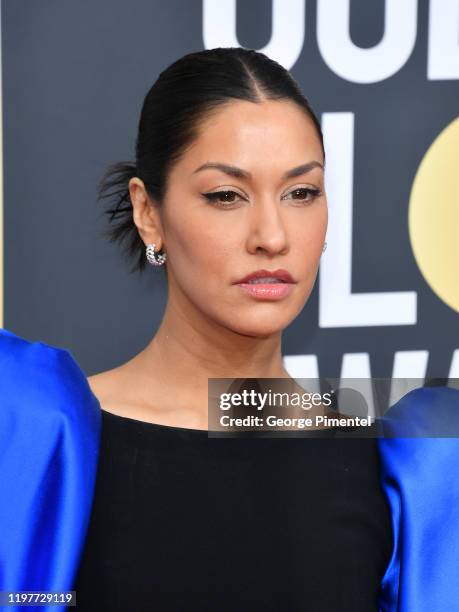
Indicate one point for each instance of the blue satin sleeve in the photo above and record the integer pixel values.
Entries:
(419, 474)
(50, 424)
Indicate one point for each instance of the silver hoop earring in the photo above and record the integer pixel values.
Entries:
(155, 259)
(325, 246)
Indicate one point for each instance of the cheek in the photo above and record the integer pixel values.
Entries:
(201, 253)
(308, 237)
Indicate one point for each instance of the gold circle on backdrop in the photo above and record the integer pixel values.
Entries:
(433, 216)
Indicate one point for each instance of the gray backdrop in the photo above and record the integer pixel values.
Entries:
(74, 76)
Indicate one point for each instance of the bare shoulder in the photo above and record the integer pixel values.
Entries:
(132, 390)
(103, 382)
(121, 391)
(111, 387)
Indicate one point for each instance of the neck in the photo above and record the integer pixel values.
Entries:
(188, 350)
(185, 348)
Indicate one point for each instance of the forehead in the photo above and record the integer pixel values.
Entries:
(267, 136)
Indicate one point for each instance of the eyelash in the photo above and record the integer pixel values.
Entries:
(213, 196)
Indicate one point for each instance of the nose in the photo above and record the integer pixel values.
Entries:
(267, 231)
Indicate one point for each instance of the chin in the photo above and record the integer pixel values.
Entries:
(260, 327)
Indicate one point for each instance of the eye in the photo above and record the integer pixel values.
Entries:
(226, 198)
(223, 198)
(305, 194)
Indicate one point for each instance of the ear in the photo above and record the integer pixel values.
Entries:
(146, 214)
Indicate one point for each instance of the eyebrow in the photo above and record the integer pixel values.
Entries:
(239, 173)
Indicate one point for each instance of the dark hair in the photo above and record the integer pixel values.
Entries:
(184, 94)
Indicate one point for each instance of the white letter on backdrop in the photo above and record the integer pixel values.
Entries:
(443, 48)
(288, 25)
(338, 306)
(366, 65)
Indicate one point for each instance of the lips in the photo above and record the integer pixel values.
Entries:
(267, 277)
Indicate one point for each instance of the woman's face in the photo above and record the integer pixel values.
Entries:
(264, 220)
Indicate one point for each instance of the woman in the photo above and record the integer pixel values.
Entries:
(134, 506)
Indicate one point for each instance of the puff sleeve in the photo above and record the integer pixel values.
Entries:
(419, 473)
(50, 424)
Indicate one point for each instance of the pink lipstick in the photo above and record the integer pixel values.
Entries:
(268, 285)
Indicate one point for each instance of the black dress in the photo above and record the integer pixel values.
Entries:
(185, 522)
